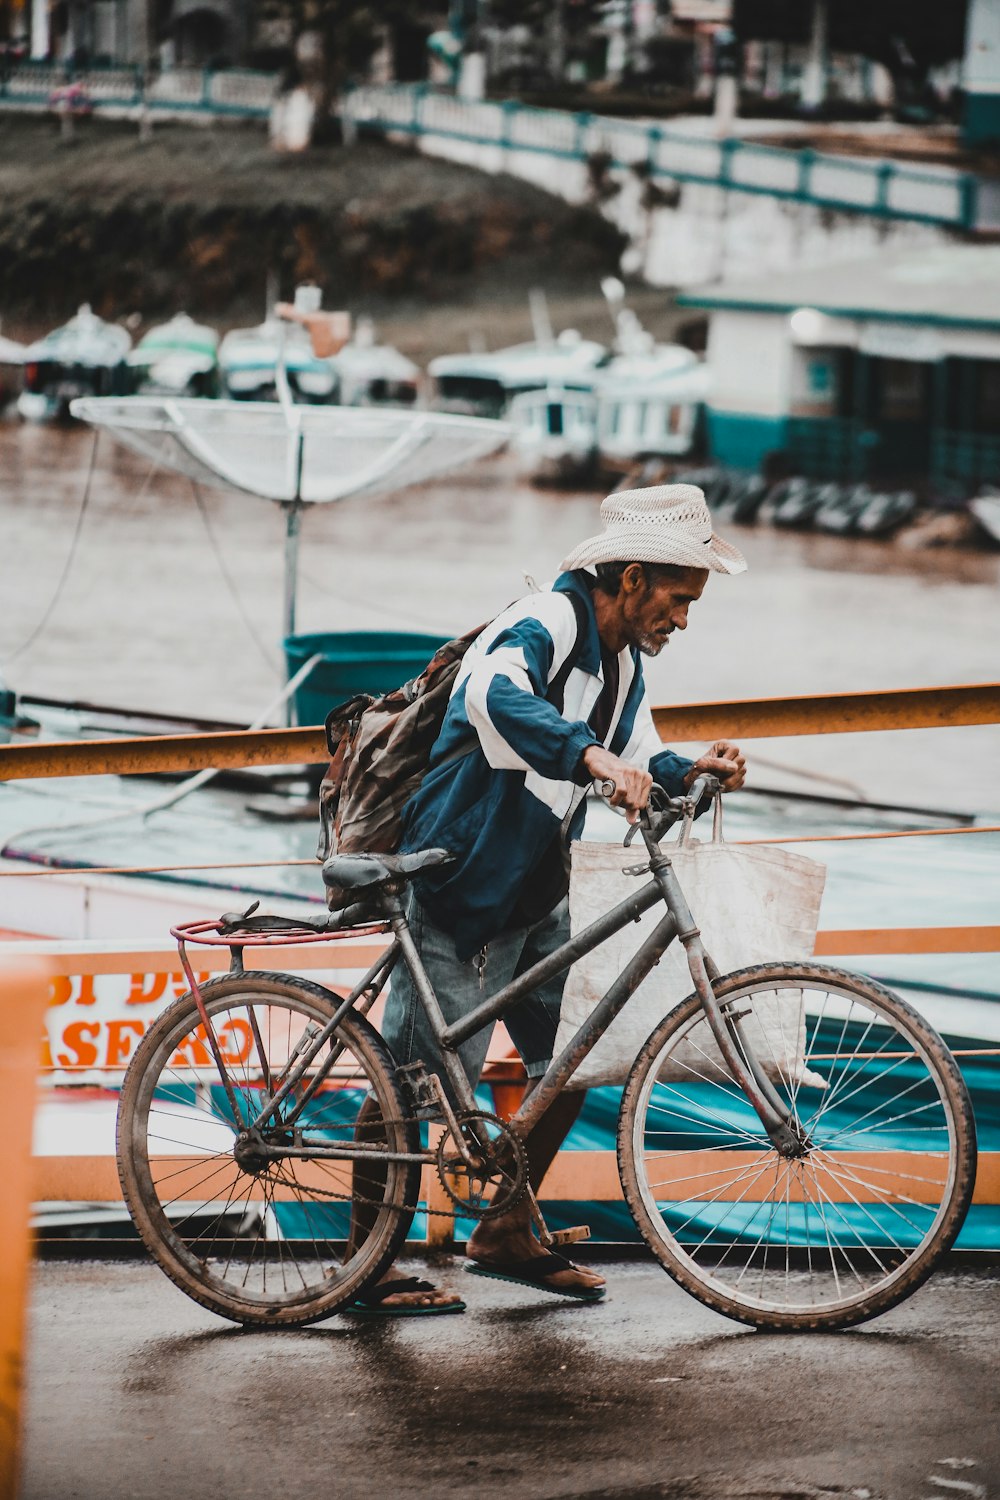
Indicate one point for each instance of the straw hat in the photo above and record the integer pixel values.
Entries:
(667, 523)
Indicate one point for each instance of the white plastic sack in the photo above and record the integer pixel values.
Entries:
(753, 905)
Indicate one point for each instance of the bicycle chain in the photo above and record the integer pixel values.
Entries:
(438, 1213)
(318, 1192)
(519, 1182)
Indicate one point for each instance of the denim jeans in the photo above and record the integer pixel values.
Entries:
(532, 1022)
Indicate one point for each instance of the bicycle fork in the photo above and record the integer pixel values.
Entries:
(770, 1108)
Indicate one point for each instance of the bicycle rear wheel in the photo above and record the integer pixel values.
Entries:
(856, 1223)
(262, 1240)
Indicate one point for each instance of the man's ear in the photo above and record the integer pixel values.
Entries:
(633, 579)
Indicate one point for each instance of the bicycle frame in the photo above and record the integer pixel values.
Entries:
(677, 922)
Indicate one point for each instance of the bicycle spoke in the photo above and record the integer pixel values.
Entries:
(261, 1236)
(824, 1238)
(842, 1174)
(908, 1114)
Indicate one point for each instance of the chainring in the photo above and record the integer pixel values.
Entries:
(502, 1178)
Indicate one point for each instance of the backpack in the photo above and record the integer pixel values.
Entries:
(381, 749)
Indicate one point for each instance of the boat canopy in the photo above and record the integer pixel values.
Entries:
(689, 383)
(525, 365)
(182, 335)
(314, 454)
(85, 340)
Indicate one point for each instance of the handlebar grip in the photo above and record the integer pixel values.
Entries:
(608, 787)
(701, 785)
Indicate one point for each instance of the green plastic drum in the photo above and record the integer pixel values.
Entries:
(354, 661)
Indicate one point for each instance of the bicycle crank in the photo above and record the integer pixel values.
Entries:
(495, 1177)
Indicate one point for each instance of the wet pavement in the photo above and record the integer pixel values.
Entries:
(135, 1392)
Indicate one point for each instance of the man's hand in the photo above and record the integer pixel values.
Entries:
(723, 760)
(632, 786)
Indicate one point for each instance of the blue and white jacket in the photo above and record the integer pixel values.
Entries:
(498, 807)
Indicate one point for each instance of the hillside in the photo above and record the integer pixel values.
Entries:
(198, 217)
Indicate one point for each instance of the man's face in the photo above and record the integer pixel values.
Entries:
(653, 609)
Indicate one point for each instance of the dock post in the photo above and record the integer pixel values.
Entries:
(23, 995)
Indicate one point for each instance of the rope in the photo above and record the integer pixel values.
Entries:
(159, 804)
(381, 608)
(67, 565)
(268, 655)
(255, 864)
(900, 833)
(267, 864)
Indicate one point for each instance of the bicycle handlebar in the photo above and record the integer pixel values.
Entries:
(669, 808)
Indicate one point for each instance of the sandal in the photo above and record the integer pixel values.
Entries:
(371, 1304)
(536, 1272)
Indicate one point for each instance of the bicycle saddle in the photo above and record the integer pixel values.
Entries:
(353, 872)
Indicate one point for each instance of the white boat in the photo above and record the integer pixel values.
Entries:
(555, 431)
(642, 402)
(11, 353)
(248, 364)
(374, 374)
(178, 358)
(11, 359)
(486, 384)
(649, 407)
(986, 509)
(85, 357)
(648, 395)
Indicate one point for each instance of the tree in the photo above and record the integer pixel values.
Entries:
(563, 26)
(906, 38)
(335, 41)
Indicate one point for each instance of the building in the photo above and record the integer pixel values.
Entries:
(981, 75)
(886, 368)
(173, 33)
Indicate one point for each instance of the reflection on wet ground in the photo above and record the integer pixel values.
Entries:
(174, 607)
(645, 1396)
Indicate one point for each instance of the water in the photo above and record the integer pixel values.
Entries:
(171, 607)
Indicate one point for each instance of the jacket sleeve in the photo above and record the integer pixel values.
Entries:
(505, 694)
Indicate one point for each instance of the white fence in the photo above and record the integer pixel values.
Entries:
(875, 187)
(234, 92)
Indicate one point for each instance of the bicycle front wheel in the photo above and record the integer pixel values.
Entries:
(258, 1238)
(858, 1221)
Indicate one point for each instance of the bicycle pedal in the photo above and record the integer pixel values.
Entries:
(570, 1236)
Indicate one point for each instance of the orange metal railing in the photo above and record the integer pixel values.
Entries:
(753, 718)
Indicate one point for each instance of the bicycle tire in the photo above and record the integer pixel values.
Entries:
(173, 1096)
(852, 1186)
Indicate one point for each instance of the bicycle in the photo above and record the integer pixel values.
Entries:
(806, 1186)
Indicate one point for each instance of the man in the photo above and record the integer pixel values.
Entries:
(551, 698)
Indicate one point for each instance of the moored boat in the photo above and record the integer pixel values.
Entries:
(485, 384)
(798, 500)
(249, 360)
(649, 407)
(887, 511)
(11, 360)
(986, 509)
(843, 508)
(85, 357)
(374, 374)
(99, 1013)
(178, 358)
(555, 431)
